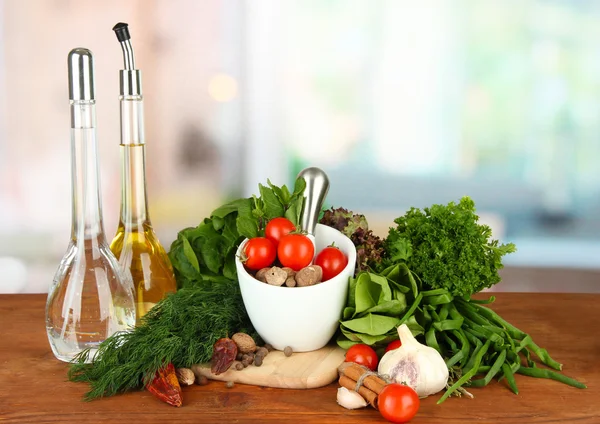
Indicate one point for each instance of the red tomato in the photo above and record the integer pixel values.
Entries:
(332, 260)
(295, 251)
(398, 403)
(277, 228)
(259, 252)
(363, 355)
(393, 345)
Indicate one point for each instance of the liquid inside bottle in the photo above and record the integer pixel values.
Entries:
(135, 244)
(91, 296)
(88, 301)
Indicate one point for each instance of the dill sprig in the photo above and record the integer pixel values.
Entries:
(181, 329)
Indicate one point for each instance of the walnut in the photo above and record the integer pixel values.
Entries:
(244, 342)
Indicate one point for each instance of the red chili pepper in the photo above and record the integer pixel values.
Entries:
(224, 352)
(166, 387)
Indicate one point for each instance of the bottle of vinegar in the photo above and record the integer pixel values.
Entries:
(135, 244)
(91, 297)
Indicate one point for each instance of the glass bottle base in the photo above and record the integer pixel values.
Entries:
(66, 351)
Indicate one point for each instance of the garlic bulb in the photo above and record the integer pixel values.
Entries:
(418, 366)
(350, 399)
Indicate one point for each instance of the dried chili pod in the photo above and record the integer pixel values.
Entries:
(224, 353)
(166, 387)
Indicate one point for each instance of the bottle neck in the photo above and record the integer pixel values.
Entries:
(85, 187)
(134, 206)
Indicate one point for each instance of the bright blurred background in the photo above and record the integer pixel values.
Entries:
(402, 103)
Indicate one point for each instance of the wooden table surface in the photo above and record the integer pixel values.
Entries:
(34, 387)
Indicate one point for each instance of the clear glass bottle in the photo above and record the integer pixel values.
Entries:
(91, 297)
(135, 244)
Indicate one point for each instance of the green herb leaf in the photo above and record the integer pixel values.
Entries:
(272, 205)
(189, 254)
(180, 329)
(371, 290)
(371, 324)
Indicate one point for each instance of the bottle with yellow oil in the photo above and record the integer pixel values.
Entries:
(135, 245)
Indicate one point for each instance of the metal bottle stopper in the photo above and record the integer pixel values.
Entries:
(81, 74)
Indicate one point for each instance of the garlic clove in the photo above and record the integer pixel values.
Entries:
(350, 399)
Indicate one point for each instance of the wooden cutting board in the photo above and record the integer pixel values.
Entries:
(305, 370)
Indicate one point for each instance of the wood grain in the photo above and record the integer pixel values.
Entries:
(304, 370)
(34, 387)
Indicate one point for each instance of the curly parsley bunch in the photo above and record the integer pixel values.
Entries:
(447, 248)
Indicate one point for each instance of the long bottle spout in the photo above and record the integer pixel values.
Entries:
(122, 31)
(131, 78)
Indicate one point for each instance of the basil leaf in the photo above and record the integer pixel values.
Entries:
(229, 270)
(189, 254)
(218, 223)
(272, 205)
(292, 214)
(211, 254)
(286, 196)
(283, 194)
(228, 208)
(299, 187)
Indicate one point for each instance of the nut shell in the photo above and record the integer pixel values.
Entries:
(261, 274)
(309, 276)
(276, 276)
(244, 342)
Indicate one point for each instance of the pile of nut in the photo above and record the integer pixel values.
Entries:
(276, 276)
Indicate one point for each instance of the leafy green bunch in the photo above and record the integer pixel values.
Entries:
(182, 328)
(436, 259)
(447, 248)
(369, 247)
(206, 253)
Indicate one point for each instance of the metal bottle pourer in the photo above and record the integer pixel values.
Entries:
(317, 186)
(131, 78)
(131, 99)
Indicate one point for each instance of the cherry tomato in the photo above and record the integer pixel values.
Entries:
(332, 260)
(398, 403)
(393, 345)
(295, 251)
(363, 355)
(277, 228)
(259, 252)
